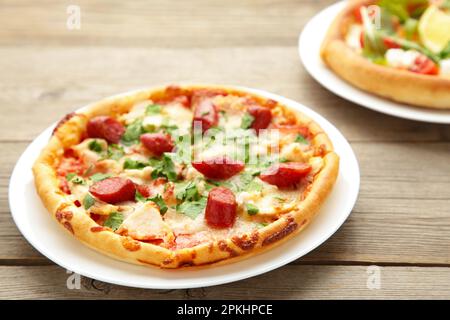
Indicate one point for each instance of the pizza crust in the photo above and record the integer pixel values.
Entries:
(398, 85)
(77, 222)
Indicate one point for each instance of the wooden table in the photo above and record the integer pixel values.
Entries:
(400, 223)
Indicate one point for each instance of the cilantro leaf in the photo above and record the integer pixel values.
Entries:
(152, 109)
(114, 220)
(134, 164)
(187, 191)
(94, 145)
(115, 152)
(70, 176)
(160, 203)
(139, 197)
(132, 133)
(247, 121)
(192, 208)
(251, 209)
(164, 168)
(78, 180)
(301, 139)
(99, 176)
(88, 201)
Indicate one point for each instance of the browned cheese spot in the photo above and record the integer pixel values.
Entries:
(98, 229)
(246, 242)
(68, 226)
(290, 227)
(223, 246)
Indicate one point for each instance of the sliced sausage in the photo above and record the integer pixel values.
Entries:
(114, 190)
(262, 115)
(105, 127)
(145, 190)
(205, 112)
(157, 143)
(219, 168)
(221, 208)
(285, 175)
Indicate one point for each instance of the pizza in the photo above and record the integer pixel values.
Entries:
(397, 49)
(182, 176)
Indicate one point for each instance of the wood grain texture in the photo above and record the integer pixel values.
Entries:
(161, 23)
(401, 220)
(289, 282)
(49, 82)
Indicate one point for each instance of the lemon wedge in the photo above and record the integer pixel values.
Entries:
(434, 29)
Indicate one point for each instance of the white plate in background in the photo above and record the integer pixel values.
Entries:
(310, 41)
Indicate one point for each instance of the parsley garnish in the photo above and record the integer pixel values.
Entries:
(114, 220)
(164, 168)
(247, 121)
(187, 191)
(251, 209)
(301, 139)
(153, 109)
(70, 176)
(192, 208)
(88, 201)
(115, 152)
(78, 180)
(99, 176)
(133, 164)
(160, 203)
(94, 145)
(132, 133)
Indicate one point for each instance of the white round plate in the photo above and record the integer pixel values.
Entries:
(40, 229)
(310, 41)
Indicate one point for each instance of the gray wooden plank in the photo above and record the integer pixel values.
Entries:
(159, 23)
(289, 282)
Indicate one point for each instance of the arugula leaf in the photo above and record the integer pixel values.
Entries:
(247, 121)
(115, 152)
(396, 7)
(410, 28)
(301, 139)
(99, 176)
(251, 209)
(134, 164)
(88, 201)
(152, 109)
(132, 133)
(94, 145)
(70, 176)
(114, 220)
(445, 53)
(164, 168)
(160, 203)
(192, 208)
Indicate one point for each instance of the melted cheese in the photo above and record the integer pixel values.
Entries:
(179, 115)
(137, 111)
(399, 58)
(145, 223)
(353, 37)
(89, 157)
